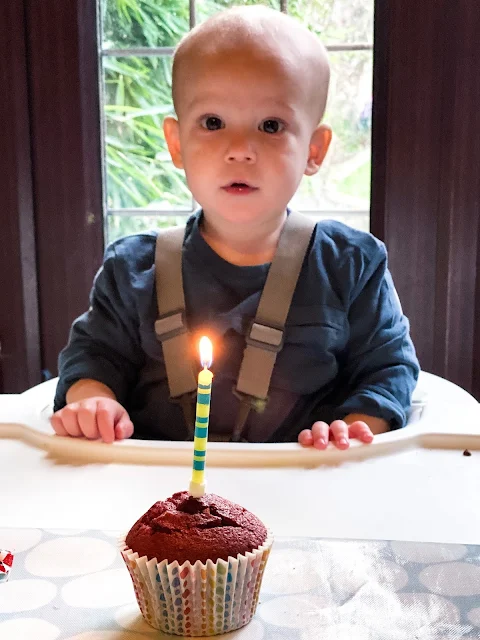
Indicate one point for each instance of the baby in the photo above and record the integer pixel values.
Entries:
(249, 89)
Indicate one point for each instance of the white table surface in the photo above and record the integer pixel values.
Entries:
(397, 493)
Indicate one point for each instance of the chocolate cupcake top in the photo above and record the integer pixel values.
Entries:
(186, 528)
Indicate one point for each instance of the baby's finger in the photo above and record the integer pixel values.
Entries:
(87, 420)
(339, 431)
(305, 438)
(105, 422)
(124, 428)
(69, 420)
(57, 425)
(361, 431)
(320, 434)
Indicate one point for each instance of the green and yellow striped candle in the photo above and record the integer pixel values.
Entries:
(204, 390)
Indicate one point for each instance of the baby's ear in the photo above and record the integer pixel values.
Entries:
(319, 143)
(172, 136)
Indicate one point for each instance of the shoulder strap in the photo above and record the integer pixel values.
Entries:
(266, 335)
(171, 327)
(265, 338)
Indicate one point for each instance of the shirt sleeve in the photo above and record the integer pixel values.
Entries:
(104, 342)
(381, 368)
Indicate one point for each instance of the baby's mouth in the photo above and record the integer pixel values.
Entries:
(237, 187)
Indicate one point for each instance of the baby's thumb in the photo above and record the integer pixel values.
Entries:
(124, 427)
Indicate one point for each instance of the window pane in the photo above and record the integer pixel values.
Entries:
(343, 182)
(207, 8)
(119, 226)
(139, 170)
(336, 21)
(143, 23)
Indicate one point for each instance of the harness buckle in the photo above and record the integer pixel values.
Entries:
(265, 337)
(247, 403)
(257, 404)
(170, 325)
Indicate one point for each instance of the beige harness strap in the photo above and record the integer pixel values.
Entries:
(266, 335)
(170, 327)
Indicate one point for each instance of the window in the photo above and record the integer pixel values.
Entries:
(142, 188)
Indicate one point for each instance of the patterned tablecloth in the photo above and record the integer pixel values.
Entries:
(73, 585)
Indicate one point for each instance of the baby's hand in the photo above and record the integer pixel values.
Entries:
(339, 432)
(93, 418)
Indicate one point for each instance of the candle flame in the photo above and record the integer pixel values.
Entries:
(205, 352)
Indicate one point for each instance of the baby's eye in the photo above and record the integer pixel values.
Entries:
(272, 125)
(212, 123)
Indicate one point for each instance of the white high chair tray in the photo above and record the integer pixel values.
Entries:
(450, 419)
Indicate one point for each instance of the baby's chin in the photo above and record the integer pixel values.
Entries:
(243, 213)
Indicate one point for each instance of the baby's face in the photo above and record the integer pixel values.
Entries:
(245, 126)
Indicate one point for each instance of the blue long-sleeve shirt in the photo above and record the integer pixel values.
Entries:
(347, 347)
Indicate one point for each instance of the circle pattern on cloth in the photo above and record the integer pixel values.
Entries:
(71, 556)
(391, 575)
(28, 628)
(344, 571)
(129, 617)
(290, 571)
(295, 612)
(425, 610)
(16, 540)
(25, 595)
(474, 616)
(393, 616)
(112, 588)
(452, 579)
(428, 552)
(362, 610)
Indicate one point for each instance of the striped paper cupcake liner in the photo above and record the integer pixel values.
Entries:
(203, 599)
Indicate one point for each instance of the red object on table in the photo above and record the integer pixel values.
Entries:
(6, 561)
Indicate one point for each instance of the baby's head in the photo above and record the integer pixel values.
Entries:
(249, 89)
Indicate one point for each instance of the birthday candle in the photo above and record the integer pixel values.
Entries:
(204, 390)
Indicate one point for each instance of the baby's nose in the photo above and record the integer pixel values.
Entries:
(240, 149)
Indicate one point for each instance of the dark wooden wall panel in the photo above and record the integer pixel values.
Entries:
(459, 197)
(19, 330)
(413, 111)
(425, 201)
(476, 341)
(66, 157)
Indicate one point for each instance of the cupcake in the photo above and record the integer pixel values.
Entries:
(197, 564)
